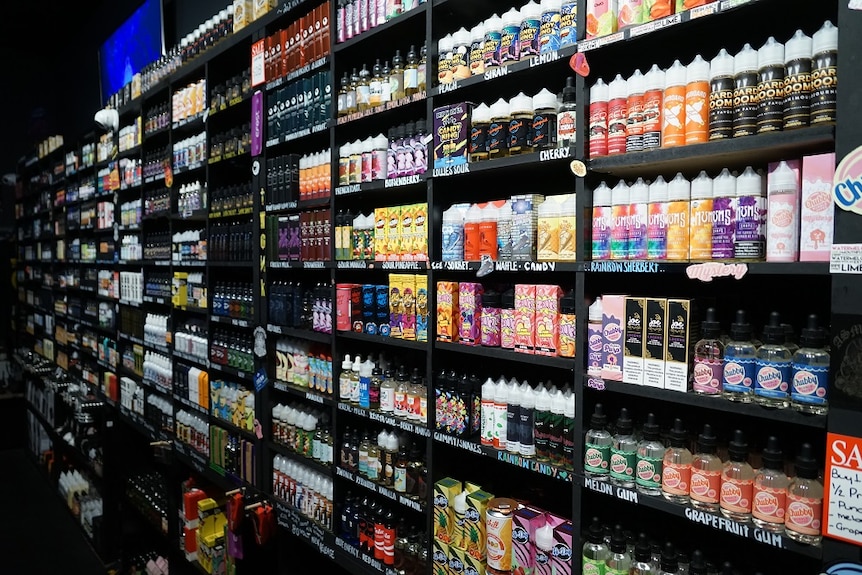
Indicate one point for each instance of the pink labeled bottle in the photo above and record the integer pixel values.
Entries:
(617, 116)
(708, 370)
(676, 467)
(804, 500)
(769, 499)
(620, 222)
(598, 119)
(782, 223)
(737, 480)
(638, 218)
(706, 470)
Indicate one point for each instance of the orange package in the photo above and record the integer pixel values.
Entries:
(655, 9)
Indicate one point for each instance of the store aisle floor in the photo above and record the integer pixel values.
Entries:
(37, 535)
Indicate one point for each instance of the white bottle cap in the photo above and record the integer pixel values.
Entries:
(825, 39)
(513, 16)
(461, 38)
(345, 365)
(599, 91)
(749, 183)
(551, 5)
(367, 145)
(639, 192)
(500, 109)
(635, 83)
(520, 103)
(621, 194)
(531, 10)
(721, 65)
(697, 71)
(481, 113)
(746, 60)
(445, 44)
(618, 88)
(545, 100)
(679, 189)
(602, 195)
(701, 187)
(658, 190)
(798, 47)
(724, 185)
(675, 75)
(545, 537)
(783, 178)
(655, 78)
(477, 32)
(770, 54)
(493, 24)
(381, 142)
(596, 309)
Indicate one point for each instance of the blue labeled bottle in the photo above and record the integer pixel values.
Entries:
(740, 356)
(774, 367)
(810, 389)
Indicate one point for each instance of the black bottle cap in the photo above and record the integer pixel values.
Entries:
(706, 441)
(677, 435)
(420, 126)
(624, 423)
(772, 456)
(569, 92)
(599, 420)
(773, 332)
(567, 303)
(651, 430)
(508, 299)
(812, 335)
(709, 327)
(491, 299)
(698, 564)
(618, 540)
(669, 560)
(727, 568)
(643, 549)
(596, 532)
(415, 377)
(737, 449)
(806, 465)
(409, 129)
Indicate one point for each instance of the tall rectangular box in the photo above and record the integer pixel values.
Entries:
(817, 214)
(525, 223)
(655, 342)
(448, 313)
(525, 318)
(633, 341)
(470, 313)
(547, 322)
(682, 333)
(451, 135)
(613, 312)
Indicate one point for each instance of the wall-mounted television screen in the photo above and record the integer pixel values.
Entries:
(137, 42)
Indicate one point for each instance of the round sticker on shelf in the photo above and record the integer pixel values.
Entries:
(255, 167)
(847, 182)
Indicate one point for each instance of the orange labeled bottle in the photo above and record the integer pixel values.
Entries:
(673, 108)
(676, 467)
(706, 470)
(769, 500)
(678, 216)
(737, 480)
(697, 101)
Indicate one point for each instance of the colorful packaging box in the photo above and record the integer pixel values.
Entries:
(525, 318)
(445, 491)
(406, 231)
(456, 561)
(633, 341)
(547, 339)
(563, 552)
(631, 13)
(525, 223)
(448, 312)
(473, 566)
(421, 284)
(451, 134)
(343, 307)
(440, 557)
(381, 234)
(396, 304)
(369, 309)
(601, 18)
(525, 522)
(393, 233)
(817, 215)
(470, 313)
(420, 233)
(613, 314)
(682, 334)
(474, 524)
(381, 294)
(655, 342)
(408, 307)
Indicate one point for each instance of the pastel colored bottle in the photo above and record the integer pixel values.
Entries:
(598, 119)
(745, 94)
(602, 220)
(697, 101)
(510, 45)
(749, 241)
(568, 23)
(708, 369)
(676, 466)
(721, 96)
(528, 35)
(782, 227)
(769, 498)
(477, 49)
(723, 215)
(650, 456)
(797, 81)
(673, 108)
(635, 110)
(597, 448)
(700, 228)
(549, 29)
(620, 222)
(459, 63)
(678, 203)
(595, 339)
(804, 500)
(740, 356)
(810, 390)
(774, 366)
(617, 115)
(824, 74)
(654, 84)
(493, 37)
(657, 222)
(737, 480)
(706, 472)
(624, 452)
(638, 220)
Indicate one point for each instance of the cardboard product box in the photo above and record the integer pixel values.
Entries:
(445, 491)
(448, 313)
(563, 551)
(381, 233)
(525, 522)
(440, 557)
(655, 342)
(682, 333)
(470, 313)
(382, 309)
(525, 318)
(524, 225)
(474, 524)
(393, 233)
(408, 305)
(613, 315)
(456, 560)
(343, 307)
(633, 340)
(547, 320)
(451, 135)
(369, 309)
(421, 283)
(817, 216)
(396, 304)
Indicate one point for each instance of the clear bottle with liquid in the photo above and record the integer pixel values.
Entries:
(344, 379)
(669, 563)
(396, 77)
(363, 90)
(619, 562)
(770, 489)
(411, 73)
(676, 467)
(595, 551)
(774, 366)
(706, 470)
(740, 355)
(708, 374)
(737, 480)
(598, 443)
(804, 500)
(650, 456)
(810, 380)
(354, 381)
(624, 452)
(642, 563)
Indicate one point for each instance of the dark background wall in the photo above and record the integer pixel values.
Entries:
(49, 67)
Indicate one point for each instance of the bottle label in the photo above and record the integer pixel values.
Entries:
(519, 134)
(620, 232)
(707, 376)
(510, 45)
(595, 343)
(770, 99)
(593, 567)
(649, 472)
(745, 101)
(612, 571)
(568, 24)
(750, 237)
(721, 108)
(549, 32)
(797, 94)
(478, 139)
(477, 57)
(676, 478)
(635, 123)
(602, 225)
(723, 225)
(803, 514)
(824, 88)
(622, 464)
(697, 112)
(498, 136)
(597, 459)
(598, 129)
(492, 49)
(810, 384)
(528, 37)
(411, 75)
(677, 231)
(657, 231)
(705, 485)
(400, 479)
(544, 130)
(773, 379)
(769, 504)
(617, 122)
(507, 329)
(736, 494)
(566, 128)
(673, 117)
(653, 103)
(739, 374)
(700, 231)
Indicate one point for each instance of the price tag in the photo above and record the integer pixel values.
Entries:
(842, 506)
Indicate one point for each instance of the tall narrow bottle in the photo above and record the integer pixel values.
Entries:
(740, 355)
(676, 466)
(770, 489)
(774, 367)
(597, 452)
(737, 480)
(501, 400)
(650, 455)
(624, 452)
(513, 418)
(804, 500)
(669, 564)
(541, 423)
(811, 371)
(706, 472)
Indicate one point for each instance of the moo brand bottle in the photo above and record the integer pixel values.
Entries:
(740, 355)
(676, 466)
(811, 371)
(804, 500)
(619, 562)
(595, 551)
(774, 367)
(706, 470)
(737, 480)
(650, 455)
(624, 452)
(708, 375)
(597, 452)
(769, 500)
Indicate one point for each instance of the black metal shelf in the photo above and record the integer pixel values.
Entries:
(566, 363)
(400, 183)
(201, 361)
(392, 341)
(399, 104)
(414, 427)
(234, 321)
(304, 392)
(528, 161)
(231, 371)
(508, 266)
(306, 334)
(374, 32)
(727, 269)
(387, 493)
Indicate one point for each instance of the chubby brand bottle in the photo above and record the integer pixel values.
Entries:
(595, 551)
(769, 499)
(705, 472)
(740, 356)
(676, 466)
(774, 367)
(597, 452)
(624, 452)
(810, 388)
(650, 455)
(708, 373)
(805, 500)
(737, 480)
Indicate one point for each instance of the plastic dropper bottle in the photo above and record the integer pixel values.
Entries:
(797, 81)
(810, 388)
(520, 124)
(745, 82)
(737, 480)
(708, 372)
(740, 355)
(543, 132)
(774, 366)
(566, 134)
(657, 220)
(595, 551)
(824, 72)
(602, 223)
(706, 473)
(642, 563)
(354, 380)
(654, 84)
(804, 499)
(493, 38)
(598, 443)
(344, 379)
(510, 45)
(770, 106)
(723, 215)
(673, 111)
(700, 228)
(617, 115)
(650, 456)
(769, 499)
(598, 119)
(698, 565)
(460, 62)
(669, 564)
(624, 452)
(594, 339)
(676, 466)
(721, 96)
(619, 562)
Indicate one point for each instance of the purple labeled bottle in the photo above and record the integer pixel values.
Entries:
(490, 322)
(749, 242)
(723, 215)
(708, 372)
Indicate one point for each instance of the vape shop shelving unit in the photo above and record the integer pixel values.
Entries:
(257, 297)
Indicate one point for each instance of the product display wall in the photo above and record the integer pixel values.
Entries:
(319, 280)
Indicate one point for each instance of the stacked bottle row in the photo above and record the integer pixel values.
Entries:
(157, 284)
(306, 432)
(298, 105)
(130, 212)
(402, 152)
(130, 175)
(233, 142)
(234, 299)
(191, 245)
(190, 152)
(131, 286)
(303, 236)
(398, 310)
(380, 387)
(188, 291)
(154, 164)
(194, 430)
(230, 242)
(755, 92)
(233, 403)
(131, 249)
(643, 461)
(237, 86)
(388, 458)
(304, 365)
(158, 369)
(191, 339)
(189, 101)
(157, 118)
(355, 17)
(604, 19)
(303, 41)
(369, 89)
(157, 201)
(193, 384)
(293, 305)
(235, 197)
(156, 329)
(304, 489)
(537, 28)
(191, 196)
(394, 233)
(232, 349)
